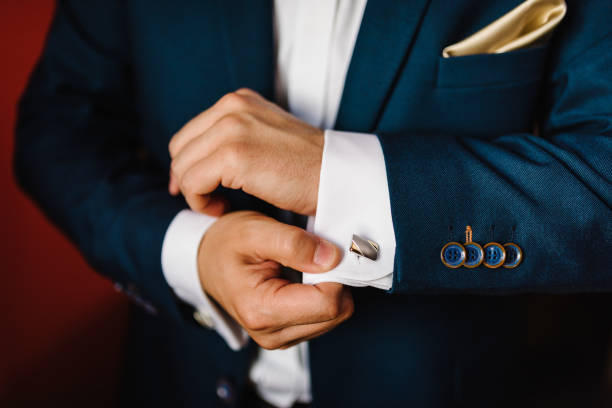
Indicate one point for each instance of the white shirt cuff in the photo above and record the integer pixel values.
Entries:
(354, 199)
(180, 267)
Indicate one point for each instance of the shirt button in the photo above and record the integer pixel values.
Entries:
(453, 255)
(225, 391)
(514, 255)
(494, 255)
(204, 319)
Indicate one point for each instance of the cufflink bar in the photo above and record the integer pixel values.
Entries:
(364, 247)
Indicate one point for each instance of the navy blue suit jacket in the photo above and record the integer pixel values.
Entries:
(518, 145)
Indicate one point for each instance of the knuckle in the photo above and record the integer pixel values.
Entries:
(174, 167)
(332, 310)
(234, 101)
(172, 146)
(293, 241)
(245, 90)
(229, 122)
(334, 305)
(269, 343)
(233, 153)
(252, 319)
(233, 125)
(188, 183)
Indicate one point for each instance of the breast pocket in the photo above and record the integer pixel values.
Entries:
(486, 95)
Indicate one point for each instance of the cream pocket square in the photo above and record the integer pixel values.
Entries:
(523, 26)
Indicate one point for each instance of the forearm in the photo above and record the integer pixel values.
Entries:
(181, 246)
(78, 155)
(115, 212)
(550, 193)
(520, 188)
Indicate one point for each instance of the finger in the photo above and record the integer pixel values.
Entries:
(293, 247)
(297, 333)
(293, 335)
(173, 185)
(233, 102)
(258, 99)
(202, 179)
(216, 207)
(287, 304)
(224, 131)
(207, 204)
(249, 92)
(197, 202)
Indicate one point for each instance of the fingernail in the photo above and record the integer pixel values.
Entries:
(324, 254)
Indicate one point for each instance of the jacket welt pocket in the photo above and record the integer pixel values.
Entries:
(483, 70)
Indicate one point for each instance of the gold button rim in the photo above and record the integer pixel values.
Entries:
(446, 263)
(481, 259)
(520, 256)
(500, 246)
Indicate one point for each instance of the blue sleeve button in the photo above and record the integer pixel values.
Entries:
(225, 391)
(474, 255)
(453, 255)
(514, 255)
(494, 255)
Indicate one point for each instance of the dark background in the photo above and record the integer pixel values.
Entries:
(63, 327)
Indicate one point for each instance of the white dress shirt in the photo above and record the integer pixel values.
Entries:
(314, 44)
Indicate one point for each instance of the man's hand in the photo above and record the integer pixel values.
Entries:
(246, 142)
(239, 263)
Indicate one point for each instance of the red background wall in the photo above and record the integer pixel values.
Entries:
(62, 325)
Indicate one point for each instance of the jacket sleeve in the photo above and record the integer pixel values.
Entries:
(79, 157)
(549, 193)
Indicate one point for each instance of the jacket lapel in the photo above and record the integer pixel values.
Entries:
(247, 31)
(382, 46)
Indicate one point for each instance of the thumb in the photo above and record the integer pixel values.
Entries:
(296, 248)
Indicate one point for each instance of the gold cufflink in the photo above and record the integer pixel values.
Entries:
(364, 247)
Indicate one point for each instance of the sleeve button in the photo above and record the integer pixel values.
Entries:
(225, 391)
(474, 255)
(453, 255)
(514, 255)
(494, 255)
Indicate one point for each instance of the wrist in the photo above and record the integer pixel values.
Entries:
(179, 256)
(315, 173)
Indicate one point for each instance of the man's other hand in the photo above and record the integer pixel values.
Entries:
(246, 142)
(239, 264)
